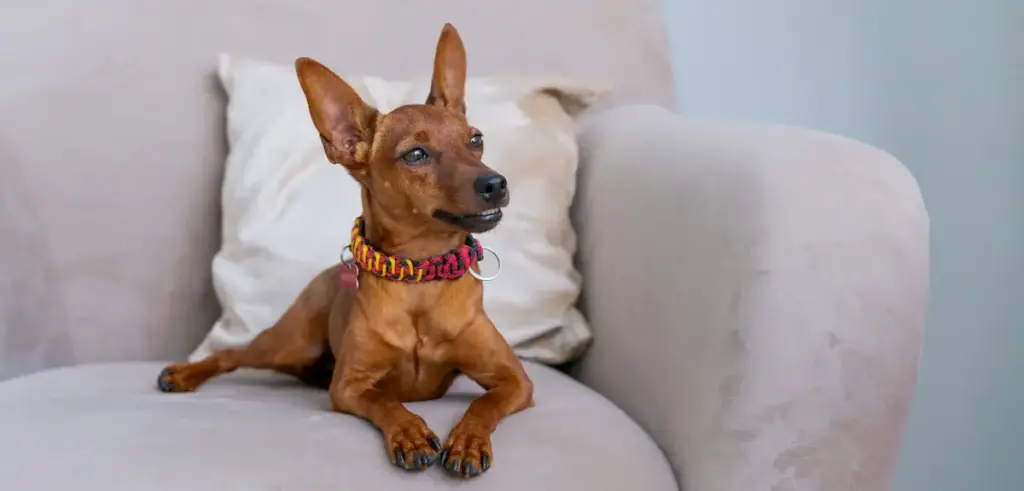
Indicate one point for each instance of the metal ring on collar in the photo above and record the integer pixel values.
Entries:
(496, 273)
(352, 255)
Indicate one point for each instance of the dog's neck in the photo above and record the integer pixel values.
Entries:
(398, 235)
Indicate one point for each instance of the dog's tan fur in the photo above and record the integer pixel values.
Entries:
(390, 342)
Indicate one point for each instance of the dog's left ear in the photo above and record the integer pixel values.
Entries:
(345, 123)
(448, 85)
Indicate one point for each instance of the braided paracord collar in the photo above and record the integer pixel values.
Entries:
(451, 265)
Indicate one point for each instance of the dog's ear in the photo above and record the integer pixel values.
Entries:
(448, 85)
(345, 122)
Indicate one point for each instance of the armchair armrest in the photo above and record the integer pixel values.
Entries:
(757, 295)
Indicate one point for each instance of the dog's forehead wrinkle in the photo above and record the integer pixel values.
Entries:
(426, 120)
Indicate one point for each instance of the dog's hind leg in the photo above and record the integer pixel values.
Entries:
(294, 343)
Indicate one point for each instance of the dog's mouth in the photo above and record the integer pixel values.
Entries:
(476, 223)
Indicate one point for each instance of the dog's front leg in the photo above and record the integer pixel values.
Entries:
(482, 354)
(354, 390)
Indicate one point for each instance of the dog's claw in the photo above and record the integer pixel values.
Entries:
(414, 461)
(411, 444)
(399, 459)
(467, 453)
(181, 377)
(435, 443)
(163, 381)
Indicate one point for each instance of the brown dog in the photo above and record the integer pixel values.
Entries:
(398, 325)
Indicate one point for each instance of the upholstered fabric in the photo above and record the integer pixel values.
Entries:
(757, 295)
(112, 139)
(288, 212)
(106, 428)
(766, 335)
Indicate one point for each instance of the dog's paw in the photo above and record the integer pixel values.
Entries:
(175, 378)
(412, 446)
(468, 450)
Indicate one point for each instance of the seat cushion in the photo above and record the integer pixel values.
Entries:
(106, 427)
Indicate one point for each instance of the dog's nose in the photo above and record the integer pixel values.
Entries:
(491, 187)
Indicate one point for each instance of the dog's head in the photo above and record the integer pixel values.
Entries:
(420, 161)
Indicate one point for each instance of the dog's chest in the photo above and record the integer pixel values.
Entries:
(425, 331)
(422, 340)
(422, 334)
(423, 369)
(421, 372)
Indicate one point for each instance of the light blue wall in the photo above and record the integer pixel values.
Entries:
(940, 84)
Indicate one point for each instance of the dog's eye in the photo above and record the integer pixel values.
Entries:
(476, 140)
(415, 156)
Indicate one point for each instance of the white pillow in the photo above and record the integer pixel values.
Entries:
(288, 211)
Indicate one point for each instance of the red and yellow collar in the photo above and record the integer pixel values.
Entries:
(451, 265)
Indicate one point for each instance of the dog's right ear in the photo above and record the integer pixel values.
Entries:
(448, 84)
(344, 121)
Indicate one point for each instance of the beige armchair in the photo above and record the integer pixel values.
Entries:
(757, 292)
